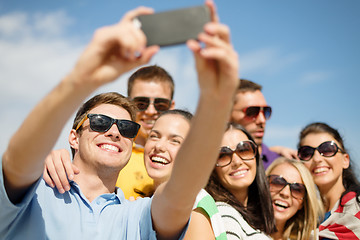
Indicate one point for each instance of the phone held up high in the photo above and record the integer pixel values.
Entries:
(173, 27)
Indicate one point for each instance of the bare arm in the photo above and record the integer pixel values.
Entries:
(110, 54)
(217, 67)
(285, 152)
(199, 226)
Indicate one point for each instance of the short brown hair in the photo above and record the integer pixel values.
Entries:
(248, 86)
(151, 73)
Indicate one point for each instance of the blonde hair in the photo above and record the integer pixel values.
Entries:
(304, 223)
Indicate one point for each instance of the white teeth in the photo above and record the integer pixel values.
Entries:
(320, 170)
(159, 160)
(281, 204)
(109, 147)
(239, 173)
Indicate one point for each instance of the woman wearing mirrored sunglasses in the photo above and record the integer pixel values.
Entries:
(322, 150)
(296, 206)
(239, 186)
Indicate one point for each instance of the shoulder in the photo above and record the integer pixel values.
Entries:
(235, 224)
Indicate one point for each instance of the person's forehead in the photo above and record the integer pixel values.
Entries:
(111, 110)
(152, 88)
(250, 98)
(287, 171)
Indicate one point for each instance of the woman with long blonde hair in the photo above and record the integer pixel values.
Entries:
(296, 205)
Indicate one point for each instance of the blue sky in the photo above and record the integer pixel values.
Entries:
(304, 53)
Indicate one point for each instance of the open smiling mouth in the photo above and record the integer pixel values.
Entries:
(109, 147)
(281, 204)
(159, 160)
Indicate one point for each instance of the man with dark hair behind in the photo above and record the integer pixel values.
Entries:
(251, 111)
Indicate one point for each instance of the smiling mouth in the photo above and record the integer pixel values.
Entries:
(239, 173)
(109, 147)
(320, 170)
(159, 160)
(281, 204)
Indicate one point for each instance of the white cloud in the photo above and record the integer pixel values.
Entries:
(34, 57)
(282, 135)
(268, 60)
(314, 77)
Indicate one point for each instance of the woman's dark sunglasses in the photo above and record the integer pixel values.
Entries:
(326, 149)
(160, 104)
(102, 123)
(253, 111)
(278, 183)
(246, 150)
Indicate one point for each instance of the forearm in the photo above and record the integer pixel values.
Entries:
(23, 161)
(194, 162)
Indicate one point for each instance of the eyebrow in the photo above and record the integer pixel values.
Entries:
(171, 135)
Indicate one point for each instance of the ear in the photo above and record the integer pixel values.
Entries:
(74, 139)
(346, 160)
(172, 105)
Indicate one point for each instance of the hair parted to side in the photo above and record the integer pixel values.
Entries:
(248, 86)
(113, 98)
(184, 113)
(178, 112)
(151, 73)
(259, 211)
(306, 219)
(349, 179)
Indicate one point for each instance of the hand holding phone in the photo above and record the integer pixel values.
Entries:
(173, 27)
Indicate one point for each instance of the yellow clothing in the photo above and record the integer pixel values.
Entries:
(134, 176)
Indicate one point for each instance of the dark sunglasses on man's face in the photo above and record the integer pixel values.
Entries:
(246, 150)
(326, 149)
(253, 111)
(278, 183)
(160, 104)
(102, 123)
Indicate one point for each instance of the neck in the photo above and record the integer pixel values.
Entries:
(241, 196)
(331, 193)
(94, 183)
(280, 230)
(277, 235)
(259, 148)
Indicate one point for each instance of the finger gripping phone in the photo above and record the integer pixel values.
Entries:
(173, 27)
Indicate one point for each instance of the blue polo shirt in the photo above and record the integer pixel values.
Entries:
(44, 213)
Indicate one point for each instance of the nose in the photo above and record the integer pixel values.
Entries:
(151, 109)
(317, 156)
(260, 118)
(113, 132)
(160, 145)
(236, 160)
(285, 192)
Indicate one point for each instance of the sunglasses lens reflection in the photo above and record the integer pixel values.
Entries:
(326, 149)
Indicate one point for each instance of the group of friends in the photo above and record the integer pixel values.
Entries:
(142, 169)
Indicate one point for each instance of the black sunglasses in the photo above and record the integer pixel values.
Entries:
(102, 123)
(326, 149)
(160, 104)
(246, 150)
(278, 183)
(253, 111)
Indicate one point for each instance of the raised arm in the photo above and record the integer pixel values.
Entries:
(217, 67)
(112, 52)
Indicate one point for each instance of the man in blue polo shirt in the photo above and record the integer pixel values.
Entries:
(102, 138)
